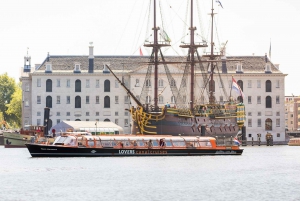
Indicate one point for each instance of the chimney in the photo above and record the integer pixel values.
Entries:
(91, 58)
(266, 58)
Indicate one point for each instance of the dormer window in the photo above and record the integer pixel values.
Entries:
(239, 68)
(48, 68)
(268, 68)
(77, 68)
(105, 69)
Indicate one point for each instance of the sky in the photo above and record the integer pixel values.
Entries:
(119, 27)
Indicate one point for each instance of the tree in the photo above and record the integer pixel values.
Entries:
(14, 108)
(7, 88)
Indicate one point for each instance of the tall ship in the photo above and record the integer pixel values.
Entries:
(194, 111)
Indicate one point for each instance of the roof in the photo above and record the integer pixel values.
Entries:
(250, 64)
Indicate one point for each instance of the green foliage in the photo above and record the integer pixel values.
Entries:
(14, 108)
(8, 87)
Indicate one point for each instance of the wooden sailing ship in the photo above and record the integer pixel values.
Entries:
(188, 116)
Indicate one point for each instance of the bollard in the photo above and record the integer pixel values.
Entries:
(244, 139)
(258, 141)
(252, 141)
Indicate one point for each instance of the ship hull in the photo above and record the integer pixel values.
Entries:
(172, 124)
(15, 140)
(37, 150)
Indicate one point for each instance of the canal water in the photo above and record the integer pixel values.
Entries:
(261, 173)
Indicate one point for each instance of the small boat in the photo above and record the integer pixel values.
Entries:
(132, 145)
(17, 139)
(294, 142)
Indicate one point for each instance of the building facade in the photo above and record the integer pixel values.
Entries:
(292, 115)
(82, 88)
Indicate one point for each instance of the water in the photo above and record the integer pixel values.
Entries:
(261, 173)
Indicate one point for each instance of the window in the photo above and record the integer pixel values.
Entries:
(97, 113)
(277, 122)
(249, 99)
(259, 114)
(116, 84)
(106, 102)
(268, 86)
(48, 85)
(57, 121)
(117, 121)
(258, 99)
(97, 99)
(87, 114)
(87, 100)
(126, 113)
(106, 86)
(278, 134)
(68, 100)
(126, 99)
(249, 122)
(77, 68)
(268, 102)
(258, 122)
(249, 83)
(48, 68)
(239, 67)
(38, 122)
(277, 113)
(116, 99)
(161, 99)
(249, 113)
(57, 99)
(258, 84)
(97, 83)
(49, 101)
(148, 83)
(77, 102)
(58, 83)
(68, 83)
(26, 87)
(126, 122)
(116, 113)
(68, 114)
(38, 114)
(137, 82)
(87, 83)
(173, 83)
(38, 100)
(268, 124)
(77, 86)
(172, 99)
(249, 135)
(277, 100)
(277, 84)
(221, 99)
(292, 115)
(160, 83)
(148, 99)
(241, 84)
(57, 113)
(38, 82)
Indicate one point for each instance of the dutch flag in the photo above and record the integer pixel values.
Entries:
(237, 88)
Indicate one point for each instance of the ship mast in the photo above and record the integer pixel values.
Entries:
(212, 57)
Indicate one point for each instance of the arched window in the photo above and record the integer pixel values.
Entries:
(268, 124)
(160, 99)
(49, 101)
(77, 102)
(106, 86)
(240, 83)
(106, 102)
(268, 102)
(77, 120)
(268, 86)
(107, 120)
(148, 83)
(77, 86)
(48, 85)
(148, 99)
(212, 86)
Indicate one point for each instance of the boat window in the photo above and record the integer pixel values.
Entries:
(178, 143)
(126, 143)
(205, 143)
(154, 143)
(91, 143)
(168, 143)
(140, 143)
(60, 139)
(108, 143)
